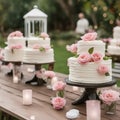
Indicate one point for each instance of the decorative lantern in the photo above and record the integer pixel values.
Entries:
(35, 22)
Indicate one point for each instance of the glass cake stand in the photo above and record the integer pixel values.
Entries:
(90, 92)
(35, 80)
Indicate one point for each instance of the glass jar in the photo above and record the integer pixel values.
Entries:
(110, 108)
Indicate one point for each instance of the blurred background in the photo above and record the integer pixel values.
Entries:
(62, 18)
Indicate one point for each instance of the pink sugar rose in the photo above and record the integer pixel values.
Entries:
(1, 57)
(59, 85)
(89, 36)
(109, 96)
(102, 69)
(84, 58)
(44, 35)
(47, 47)
(58, 103)
(16, 46)
(96, 57)
(36, 46)
(49, 74)
(72, 48)
(16, 34)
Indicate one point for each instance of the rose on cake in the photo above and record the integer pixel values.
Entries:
(16, 34)
(103, 69)
(72, 48)
(42, 48)
(15, 46)
(58, 103)
(96, 57)
(84, 58)
(89, 36)
(44, 35)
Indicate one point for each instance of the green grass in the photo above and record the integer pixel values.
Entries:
(61, 55)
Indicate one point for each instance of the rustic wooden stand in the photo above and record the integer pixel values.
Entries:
(35, 80)
(90, 92)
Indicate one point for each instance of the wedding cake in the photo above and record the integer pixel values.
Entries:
(15, 47)
(114, 47)
(89, 65)
(38, 50)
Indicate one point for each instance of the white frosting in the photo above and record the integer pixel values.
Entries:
(39, 41)
(87, 73)
(84, 46)
(116, 32)
(37, 56)
(16, 55)
(16, 40)
(113, 50)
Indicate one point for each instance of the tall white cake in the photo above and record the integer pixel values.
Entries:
(39, 50)
(90, 64)
(114, 47)
(15, 47)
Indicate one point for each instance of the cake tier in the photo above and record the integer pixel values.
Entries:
(37, 56)
(39, 41)
(15, 55)
(16, 40)
(84, 46)
(113, 50)
(87, 73)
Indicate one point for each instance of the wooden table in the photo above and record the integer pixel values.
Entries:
(11, 100)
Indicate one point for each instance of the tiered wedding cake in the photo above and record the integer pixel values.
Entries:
(90, 64)
(38, 50)
(15, 48)
(114, 47)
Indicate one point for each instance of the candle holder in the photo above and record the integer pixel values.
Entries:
(93, 110)
(16, 73)
(27, 97)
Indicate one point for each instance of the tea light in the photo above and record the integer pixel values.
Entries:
(27, 97)
(15, 79)
(93, 110)
(75, 88)
(32, 117)
(54, 80)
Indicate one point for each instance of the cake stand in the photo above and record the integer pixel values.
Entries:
(90, 92)
(35, 80)
(15, 64)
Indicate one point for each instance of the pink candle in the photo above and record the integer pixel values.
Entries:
(93, 110)
(15, 79)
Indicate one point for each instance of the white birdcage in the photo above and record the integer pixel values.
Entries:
(35, 22)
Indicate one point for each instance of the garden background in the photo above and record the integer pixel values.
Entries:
(62, 18)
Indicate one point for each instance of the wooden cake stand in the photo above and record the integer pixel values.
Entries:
(35, 80)
(90, 92)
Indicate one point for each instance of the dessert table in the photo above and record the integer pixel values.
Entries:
(41, 108)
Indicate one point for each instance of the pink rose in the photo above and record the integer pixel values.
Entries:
(58, 103)
(102, 69)
(49, 74)
(89, 36)
(84, 58)
(44, 35)
(47, 47)
(16, 46)
(59, 85)
(96, 57)
(36, 46)
(16, 34)
(72, 48)
(107, 40)
(109, 96)
(1, 57)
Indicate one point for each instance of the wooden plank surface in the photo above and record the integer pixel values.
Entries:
(11, 100)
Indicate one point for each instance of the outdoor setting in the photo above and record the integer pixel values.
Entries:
(60, 60)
